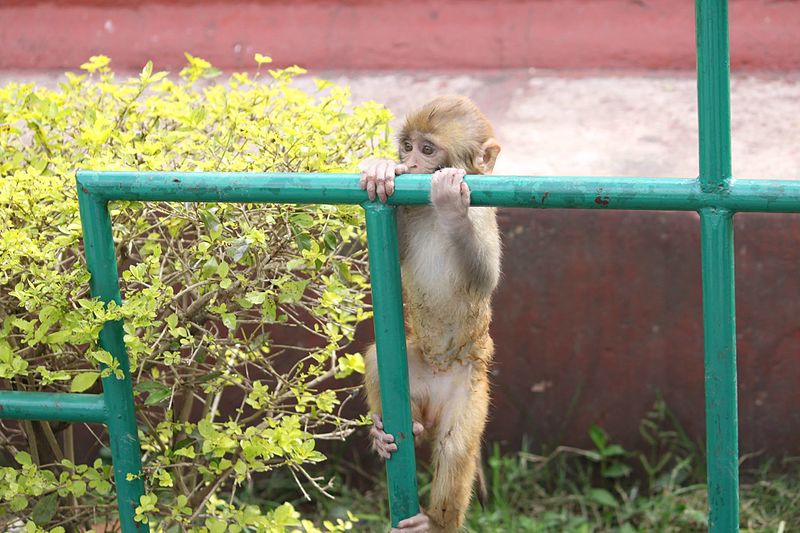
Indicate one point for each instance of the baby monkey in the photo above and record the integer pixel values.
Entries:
(450, 264)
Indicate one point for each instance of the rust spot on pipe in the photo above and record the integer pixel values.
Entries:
(602, 200)
(544, 197)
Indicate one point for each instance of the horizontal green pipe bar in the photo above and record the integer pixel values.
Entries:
(60, 406)
(578, 192)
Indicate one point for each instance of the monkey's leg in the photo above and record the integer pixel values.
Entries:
(382, 442)
(456, 451)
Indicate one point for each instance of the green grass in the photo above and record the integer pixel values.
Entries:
(602, 489)
(532, 496)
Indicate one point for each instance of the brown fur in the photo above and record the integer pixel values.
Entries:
(449, 275)
(454, 124)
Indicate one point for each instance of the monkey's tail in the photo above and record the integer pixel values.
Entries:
(483, 494)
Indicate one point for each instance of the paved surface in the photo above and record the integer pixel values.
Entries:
(582, 123)
(596, 123)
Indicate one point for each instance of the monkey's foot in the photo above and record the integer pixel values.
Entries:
(416, 524)
(382, 442)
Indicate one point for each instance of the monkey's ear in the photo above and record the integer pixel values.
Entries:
(488, 156)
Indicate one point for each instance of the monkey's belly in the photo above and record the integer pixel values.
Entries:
(443, 340)
(446, 320)
(433, 389)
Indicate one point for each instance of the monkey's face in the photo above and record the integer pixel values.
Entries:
(421, 154)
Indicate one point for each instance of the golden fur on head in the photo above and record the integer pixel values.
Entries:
(454, 124)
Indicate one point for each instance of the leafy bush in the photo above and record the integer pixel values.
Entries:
(251, 307)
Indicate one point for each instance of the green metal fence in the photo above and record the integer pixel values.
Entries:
(714, 194)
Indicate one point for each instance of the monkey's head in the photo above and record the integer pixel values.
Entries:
(449, 131)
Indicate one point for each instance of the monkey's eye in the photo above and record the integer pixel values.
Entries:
(407, 146)
(428, 149)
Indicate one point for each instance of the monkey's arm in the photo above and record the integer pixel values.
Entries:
(477, 244)
(473, 231)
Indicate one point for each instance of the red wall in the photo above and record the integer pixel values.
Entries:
(388, 34)
(599, 312)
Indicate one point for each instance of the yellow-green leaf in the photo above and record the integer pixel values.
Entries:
(261, 59)
(83, 381)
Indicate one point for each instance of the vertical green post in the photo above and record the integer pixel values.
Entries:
(713, 94)
(118, 393)
(390, 339)
(719, 314)
(722, 447)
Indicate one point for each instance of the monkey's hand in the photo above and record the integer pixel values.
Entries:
(450, 196)
(377, 176)
(419, 523)
(382, 442)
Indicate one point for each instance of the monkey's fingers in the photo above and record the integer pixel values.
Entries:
(370, 187)
(389, 184)
(457, 175)
(380, 189)
(383, 448)
(389, 187)
(367, 168)
(417, 428)
(381, 171)
(377, 421)
(379, 435)
(383, 454)
(386, 183)
(384, 451)
(465, 194)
